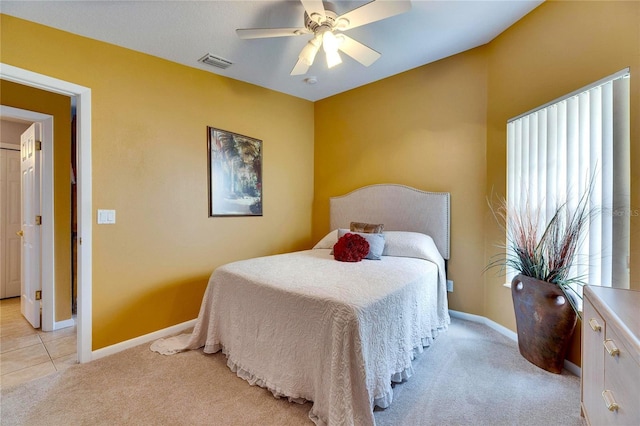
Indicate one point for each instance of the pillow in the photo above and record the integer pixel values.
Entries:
(367, 228)
(408, 244)
(351, 248)
(328, 241)
(376, 242)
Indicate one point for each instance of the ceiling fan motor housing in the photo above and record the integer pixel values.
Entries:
(315, 21)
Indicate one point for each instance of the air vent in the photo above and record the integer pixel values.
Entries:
(215, 61)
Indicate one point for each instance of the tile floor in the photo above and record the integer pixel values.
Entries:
(27, 353)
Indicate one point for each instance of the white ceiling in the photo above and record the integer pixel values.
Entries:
(184, 31)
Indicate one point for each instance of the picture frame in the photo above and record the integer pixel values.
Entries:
(235, 174)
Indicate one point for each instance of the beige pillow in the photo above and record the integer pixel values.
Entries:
(367, 228)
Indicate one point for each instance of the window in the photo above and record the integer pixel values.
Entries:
(554, 151)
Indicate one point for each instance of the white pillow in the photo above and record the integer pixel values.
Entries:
(408, 244)
(328, 241)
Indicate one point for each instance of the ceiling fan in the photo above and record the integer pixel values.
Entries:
(326, 26)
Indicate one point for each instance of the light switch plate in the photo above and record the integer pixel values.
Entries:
(106, 217)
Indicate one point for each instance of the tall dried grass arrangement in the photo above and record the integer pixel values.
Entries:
(547, 257)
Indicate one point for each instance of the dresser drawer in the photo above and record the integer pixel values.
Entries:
(611, 356)
(622, 380)
(593, 329)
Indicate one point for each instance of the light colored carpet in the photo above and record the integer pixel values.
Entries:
(471, 375)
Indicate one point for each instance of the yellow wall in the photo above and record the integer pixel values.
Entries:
(556, 49)
(423, 128)
(59, 107)
(149, 159)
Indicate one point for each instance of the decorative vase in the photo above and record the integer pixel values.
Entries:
(545, 322)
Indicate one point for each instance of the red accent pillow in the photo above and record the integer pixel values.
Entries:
(350, 248)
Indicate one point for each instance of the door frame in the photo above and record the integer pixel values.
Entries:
(83, 181)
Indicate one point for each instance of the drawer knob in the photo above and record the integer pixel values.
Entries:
(611, 347)
(594, 325)
(611, 403)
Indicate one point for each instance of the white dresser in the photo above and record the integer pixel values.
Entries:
(611, 356)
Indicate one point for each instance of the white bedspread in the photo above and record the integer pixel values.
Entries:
(306, 326)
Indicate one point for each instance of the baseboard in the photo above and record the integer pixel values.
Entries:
(486, 321)
(127, 344)
(571, 367)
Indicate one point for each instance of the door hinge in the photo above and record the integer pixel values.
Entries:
(38, 146)
(38, 220)
(38, 294)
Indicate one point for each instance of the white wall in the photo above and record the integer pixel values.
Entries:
(10, 132)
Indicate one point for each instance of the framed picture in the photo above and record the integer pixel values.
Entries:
(235, 174)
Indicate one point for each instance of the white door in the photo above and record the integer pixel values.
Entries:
(31, 220)
(10, 242)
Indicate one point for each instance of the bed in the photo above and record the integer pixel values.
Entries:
(310, 328)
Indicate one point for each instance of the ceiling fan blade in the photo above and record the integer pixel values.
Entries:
(358, 51)
(300, 68)
(270, 32)
(313, 6)
(374, 11)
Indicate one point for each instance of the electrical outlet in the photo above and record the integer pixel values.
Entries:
(450, 286)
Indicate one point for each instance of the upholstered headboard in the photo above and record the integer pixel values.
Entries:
(399, 208)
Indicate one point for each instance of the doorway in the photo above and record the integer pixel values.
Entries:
(31, 348)
(82, 97)
(46, 254)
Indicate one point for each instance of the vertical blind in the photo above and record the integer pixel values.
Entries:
(555, 152)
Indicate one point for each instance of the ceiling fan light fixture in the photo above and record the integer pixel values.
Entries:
(330, 42)
(333, 58)
(308, 53)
